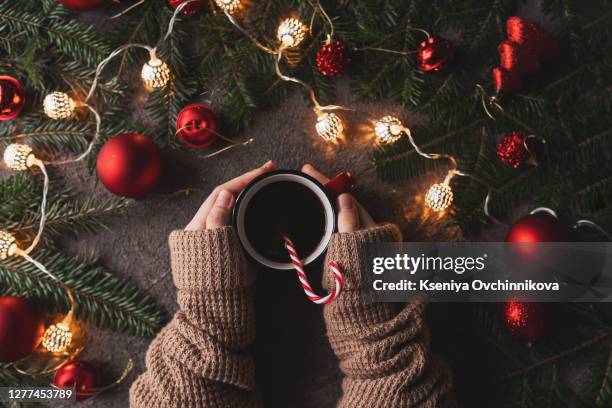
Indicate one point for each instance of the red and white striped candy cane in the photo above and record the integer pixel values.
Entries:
(299, 268)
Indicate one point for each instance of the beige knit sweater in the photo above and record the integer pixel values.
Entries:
(202, 357)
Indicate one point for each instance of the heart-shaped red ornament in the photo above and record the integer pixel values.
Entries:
(527, 47)
(531, 35)
(514, 58)
(506, 81)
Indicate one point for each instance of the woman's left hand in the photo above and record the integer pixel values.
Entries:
(216, 210)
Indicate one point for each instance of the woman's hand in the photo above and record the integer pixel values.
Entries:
(216, 211)
(351, 215)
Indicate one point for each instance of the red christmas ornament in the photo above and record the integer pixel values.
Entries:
(533, 38)
(196, 125)
(80, 376)
(129, 165)
(525, 320)
(191, 8)
(332, 59)
(82, 5)
(511, 149)
(435, 54)
(21, 328)
(12, 98)
(506, 81)
(538, 227)
(527, 48)
(514, 58)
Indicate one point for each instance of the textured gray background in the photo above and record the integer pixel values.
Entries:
(295, 366)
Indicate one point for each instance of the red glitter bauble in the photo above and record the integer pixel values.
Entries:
(129, 165)
(333, 59)
(524, 319)
(82, 5)
(80, 376)
(12, 98)
(21, 328)
(196, 125)
(511, 149)
(506, 81)
(191, 8)
(435, 54)
(538, 227)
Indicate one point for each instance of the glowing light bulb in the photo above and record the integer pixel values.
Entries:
(155, 73)
(329, 126)
(230, 6)
(439, 197)
(57, 337)
(388, 129)
(18, 156)
(8, 246)
(58, 105)
(291, 32)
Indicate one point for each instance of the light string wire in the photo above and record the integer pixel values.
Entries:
(10, 246)
(98, 73)
(404, 53)
(279, 53)
(233, 143)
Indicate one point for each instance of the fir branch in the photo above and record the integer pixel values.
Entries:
(69, 36)
(101, 298)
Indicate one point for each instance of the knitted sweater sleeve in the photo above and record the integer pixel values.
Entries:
(383, 347)
(202, 357)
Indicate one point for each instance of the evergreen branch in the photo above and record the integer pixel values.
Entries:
(101, 298)
(71, 37)
(580, 347)
(605, 389)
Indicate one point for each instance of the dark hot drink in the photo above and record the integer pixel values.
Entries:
(284, 207)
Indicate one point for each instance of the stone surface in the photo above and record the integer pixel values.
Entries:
(292, 349)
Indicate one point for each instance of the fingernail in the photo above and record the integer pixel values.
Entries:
(268, 165)
(345, 202)
(224, 199)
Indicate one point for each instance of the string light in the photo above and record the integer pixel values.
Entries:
(7, 245)
(58, 336)
(439, 197)
(229, 6)
(155, 73)
(18, 157)
(329, 126)
(58, 105)
(291, 32)
(388, 129)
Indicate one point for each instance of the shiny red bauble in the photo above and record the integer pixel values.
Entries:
(435, 54)
(196, 125)
(192, 8)
(12, 97)
(80, 376)
(21, 328)
(525, 320)
(332, 59)
(129, 165)
(538, 227)
(82, 5)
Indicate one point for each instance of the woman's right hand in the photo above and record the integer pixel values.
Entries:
(351, 215)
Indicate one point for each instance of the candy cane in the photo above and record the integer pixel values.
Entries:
(299, 268)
